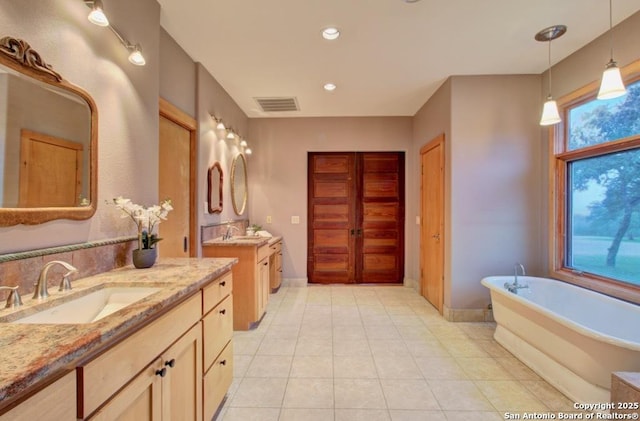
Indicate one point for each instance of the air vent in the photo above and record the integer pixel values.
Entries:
(277, 104)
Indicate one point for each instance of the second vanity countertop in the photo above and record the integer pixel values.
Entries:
(33, 352)
(243, 241)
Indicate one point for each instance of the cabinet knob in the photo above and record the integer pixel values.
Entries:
(170, 363)
(223, 362)
(223, 283)
(162, 372)
(265, 263)
(223, 311)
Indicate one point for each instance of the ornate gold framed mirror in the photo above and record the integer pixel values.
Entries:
(48, 158)
(214, 182)
(239, 187)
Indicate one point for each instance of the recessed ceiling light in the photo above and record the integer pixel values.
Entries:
(330, 33)
(329, 87)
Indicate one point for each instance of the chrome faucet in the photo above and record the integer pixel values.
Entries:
(229, 233)
(14, 299)
(41, 290)
(514, 287)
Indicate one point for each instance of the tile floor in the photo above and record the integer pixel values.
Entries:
(375, 353)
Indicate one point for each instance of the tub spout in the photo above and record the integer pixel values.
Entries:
(515, 286)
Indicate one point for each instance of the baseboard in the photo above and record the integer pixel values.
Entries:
(467, 314)
(294, 282)
(413, 284)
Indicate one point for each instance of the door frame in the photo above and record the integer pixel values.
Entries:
(179, 117)
(438, 141)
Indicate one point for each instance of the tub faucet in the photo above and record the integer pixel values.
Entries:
(514, 287)
(41, 286)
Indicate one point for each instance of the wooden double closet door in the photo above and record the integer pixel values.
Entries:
(356, 217)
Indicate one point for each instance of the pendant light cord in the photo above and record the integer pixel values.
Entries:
(611, 28)
(549, 67)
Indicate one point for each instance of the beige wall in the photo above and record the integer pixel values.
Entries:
(496, 173)
(433, 119)
(278, 171)
(126, 97)
(177, 75)
(213, 147)
(492, 179)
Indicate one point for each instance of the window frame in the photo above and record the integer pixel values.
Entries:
(559, 158)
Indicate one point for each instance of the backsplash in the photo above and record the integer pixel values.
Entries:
(211, 231)
(92, 258)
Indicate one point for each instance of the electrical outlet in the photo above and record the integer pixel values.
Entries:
(268, 219)
(295, 219)
(417, 220)
(206, 207)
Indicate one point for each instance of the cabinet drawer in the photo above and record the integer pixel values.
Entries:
(101, 377)
(216, 291)
(276, 248)
(263, 251)
(217, 330)
(217, 381)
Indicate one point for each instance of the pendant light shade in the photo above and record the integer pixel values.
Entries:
(550, 114)
(611, 85)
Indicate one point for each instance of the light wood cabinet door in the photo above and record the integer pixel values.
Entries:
(275, 267)
(182, 384)
(217, 381)
(140, 400)
(56, 402)
(263, 285)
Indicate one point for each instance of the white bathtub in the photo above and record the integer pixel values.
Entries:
(572, 337)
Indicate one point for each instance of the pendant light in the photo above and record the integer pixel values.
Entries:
(550, 114)
(611, 85)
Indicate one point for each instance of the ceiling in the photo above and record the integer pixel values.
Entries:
(391, 55)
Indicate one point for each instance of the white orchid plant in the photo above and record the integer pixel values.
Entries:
(145, 219)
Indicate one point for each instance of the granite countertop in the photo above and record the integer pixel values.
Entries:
(33, 352)
(242, 240)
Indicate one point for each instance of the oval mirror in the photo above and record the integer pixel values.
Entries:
(48, 153)
(239, 191)
(214, 180)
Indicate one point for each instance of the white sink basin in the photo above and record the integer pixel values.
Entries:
(90, 307)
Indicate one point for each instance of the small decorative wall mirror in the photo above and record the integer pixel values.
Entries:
(215, 188)
(239, 189)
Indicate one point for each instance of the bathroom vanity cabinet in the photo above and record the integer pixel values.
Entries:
(175, 361)
(251, 277)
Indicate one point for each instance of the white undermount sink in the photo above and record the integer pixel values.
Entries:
(90, 307)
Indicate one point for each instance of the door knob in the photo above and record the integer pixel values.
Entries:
(436, 236)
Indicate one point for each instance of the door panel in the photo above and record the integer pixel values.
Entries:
(50, 171)
(432, 229)
(331, 256)
(356, 217)
(382, 217)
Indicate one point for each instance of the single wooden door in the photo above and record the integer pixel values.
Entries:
(50, 171)
(432, 222)
(176, 175)
(356, 217)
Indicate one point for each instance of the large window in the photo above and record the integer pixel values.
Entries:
(596, 235)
